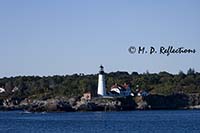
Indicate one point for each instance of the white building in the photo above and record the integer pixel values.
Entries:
(119, 90)
(2, 90)
(15, 89)
(101, 83)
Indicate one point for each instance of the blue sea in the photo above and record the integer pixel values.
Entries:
(102, 122)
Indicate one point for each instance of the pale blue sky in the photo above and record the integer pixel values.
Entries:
(48, 37)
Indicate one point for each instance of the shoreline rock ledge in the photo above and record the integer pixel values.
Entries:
(63, 104)
(76, 104)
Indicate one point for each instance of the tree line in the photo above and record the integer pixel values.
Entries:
(162, 83)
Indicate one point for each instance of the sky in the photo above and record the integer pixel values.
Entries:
(49, 37)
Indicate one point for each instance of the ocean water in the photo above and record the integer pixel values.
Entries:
(102, 122)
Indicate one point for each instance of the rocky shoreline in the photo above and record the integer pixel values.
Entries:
(62, 104)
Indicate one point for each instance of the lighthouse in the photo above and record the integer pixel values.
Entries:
(101, 83)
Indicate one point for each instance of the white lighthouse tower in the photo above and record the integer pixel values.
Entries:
(101, 83)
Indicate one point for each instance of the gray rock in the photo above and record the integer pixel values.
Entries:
(72, 101)
(142, 105)
(51, 105)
